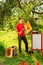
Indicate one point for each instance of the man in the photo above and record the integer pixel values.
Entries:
(21, 34)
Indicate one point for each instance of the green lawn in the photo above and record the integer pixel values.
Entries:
(9, 39)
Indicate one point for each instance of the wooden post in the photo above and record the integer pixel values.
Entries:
(42, 43)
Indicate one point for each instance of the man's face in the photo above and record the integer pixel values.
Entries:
(20, 21)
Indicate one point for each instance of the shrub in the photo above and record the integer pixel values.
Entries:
(2, 48)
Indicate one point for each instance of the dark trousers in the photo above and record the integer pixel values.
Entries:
(20, 38)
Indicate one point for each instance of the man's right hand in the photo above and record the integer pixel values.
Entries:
(19, 32)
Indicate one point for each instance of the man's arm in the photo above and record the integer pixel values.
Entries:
(20, 31)
(17, 31)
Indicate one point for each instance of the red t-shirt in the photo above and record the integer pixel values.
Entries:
(19, 27)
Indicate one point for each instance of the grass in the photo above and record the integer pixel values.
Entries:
(9, 39)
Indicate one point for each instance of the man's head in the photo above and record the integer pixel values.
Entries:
(20, 20)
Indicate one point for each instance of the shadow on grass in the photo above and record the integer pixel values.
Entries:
(2, 49)
(17, 59)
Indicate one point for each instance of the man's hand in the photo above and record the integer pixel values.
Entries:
(20, 31)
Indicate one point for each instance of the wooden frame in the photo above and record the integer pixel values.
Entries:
(41, 41)
(35, 33)
(10, 51)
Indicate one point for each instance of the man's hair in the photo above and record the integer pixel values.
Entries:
(20, 18)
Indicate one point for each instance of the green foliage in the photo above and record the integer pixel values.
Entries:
(11, 10)
(2, 49)
(39, 25)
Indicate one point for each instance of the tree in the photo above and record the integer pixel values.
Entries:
(22, 7)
